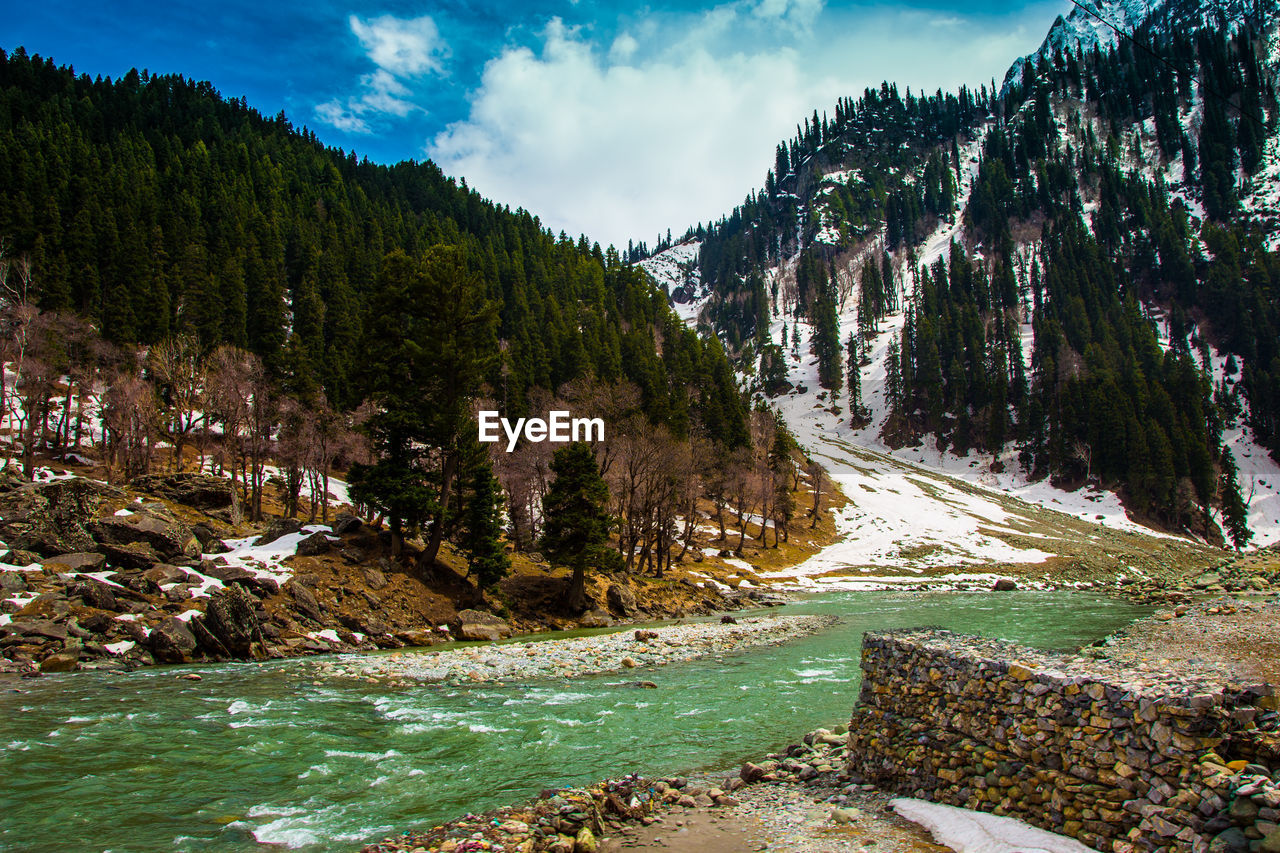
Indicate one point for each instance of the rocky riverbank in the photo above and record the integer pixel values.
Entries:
(160, 571)
(638, 651)
(799, 800)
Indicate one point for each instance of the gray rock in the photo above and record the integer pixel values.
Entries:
(163, 574)
(621, 600)
(235, 574)
(596, 619)
(11, 582)
(134, 555)
(94, 593)
(36, 629)
(167, 537)
(16, 557)
(305, 602)
(61, 662)
(52, 518)
(84, 561)
(374, 577)
(1230, 841)
(346, 523)
(479, 625)
(1243, 810)
(172, 641)
(202, 491)
(231, 620)
(276, 529)
(1270, 844)
(314, 545)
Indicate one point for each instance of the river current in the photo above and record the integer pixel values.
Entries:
(273, 756)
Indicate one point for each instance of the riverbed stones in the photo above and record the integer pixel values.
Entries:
(568, 658)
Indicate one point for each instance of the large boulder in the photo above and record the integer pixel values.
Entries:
(314, 545)
(202, 491)
(346, 523)
(61, 662)
(305, 602)
(276, 529)
(262, 587)
(85, 561)
(163, 574)
(134, 555)
(210, 540)
(479, 625)
(36, 629)
(597, 618)
(168, 537)
(172, 641)
(621, 600)
(94, 593)
(1005, 585)
(53, 518)
(231, 621)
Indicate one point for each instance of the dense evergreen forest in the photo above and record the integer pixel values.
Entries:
(1073, 318)
(196, 269)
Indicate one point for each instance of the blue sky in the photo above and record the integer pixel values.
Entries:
(610, 119)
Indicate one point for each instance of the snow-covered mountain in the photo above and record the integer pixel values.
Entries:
(957, 507)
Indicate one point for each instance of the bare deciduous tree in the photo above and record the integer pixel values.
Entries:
(179, 372)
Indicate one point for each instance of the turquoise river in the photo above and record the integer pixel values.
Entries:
(268, 756)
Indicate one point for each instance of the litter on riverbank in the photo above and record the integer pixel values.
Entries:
(569, 658)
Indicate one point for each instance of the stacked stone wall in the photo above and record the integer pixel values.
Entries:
(1119, 759)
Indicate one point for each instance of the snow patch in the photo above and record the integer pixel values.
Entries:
(978, 832)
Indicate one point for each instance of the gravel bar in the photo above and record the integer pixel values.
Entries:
(568, 658)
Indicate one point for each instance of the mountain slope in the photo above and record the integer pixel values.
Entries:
(1148, 154)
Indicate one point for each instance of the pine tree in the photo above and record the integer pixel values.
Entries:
(487, 559)
(1235, 514)
(576, 530)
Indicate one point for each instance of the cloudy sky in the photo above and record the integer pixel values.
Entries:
(604, 118)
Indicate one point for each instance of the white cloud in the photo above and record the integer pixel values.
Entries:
(401, 49)
(797, 12)
(404, 47)
(624, 47)
(675, 122)
(616, 151)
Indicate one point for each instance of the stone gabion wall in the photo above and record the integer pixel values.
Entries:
(1121, 759)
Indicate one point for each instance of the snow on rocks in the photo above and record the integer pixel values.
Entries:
(266, 561)
(676, 270)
